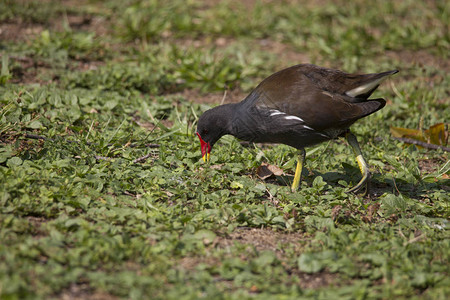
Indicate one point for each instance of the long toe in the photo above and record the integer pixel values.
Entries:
(364, 182)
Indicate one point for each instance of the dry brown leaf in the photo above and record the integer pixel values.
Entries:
(335, 212)
(216, 167)
(265, 170)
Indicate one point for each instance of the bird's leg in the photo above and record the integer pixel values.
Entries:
(361, 163)
(298, 170)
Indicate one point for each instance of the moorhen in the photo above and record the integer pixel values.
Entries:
(299, 106)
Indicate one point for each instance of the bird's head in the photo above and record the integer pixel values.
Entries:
(205, 147)
(212, 125)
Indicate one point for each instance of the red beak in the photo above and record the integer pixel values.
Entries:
(205, 147)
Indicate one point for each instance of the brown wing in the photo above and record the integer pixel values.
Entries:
(360, 86)
(294, 93)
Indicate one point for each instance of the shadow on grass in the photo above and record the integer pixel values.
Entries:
(379, 184)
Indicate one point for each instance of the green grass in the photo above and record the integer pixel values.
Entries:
(83, 214)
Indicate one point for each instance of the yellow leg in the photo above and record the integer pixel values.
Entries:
(361, 163)
(298, 170)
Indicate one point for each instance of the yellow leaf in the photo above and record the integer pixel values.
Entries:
(408, 133)
(437, 134)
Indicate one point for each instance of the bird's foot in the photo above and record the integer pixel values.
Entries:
(364, 182)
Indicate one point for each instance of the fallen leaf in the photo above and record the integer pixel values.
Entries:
(216, 167)
(254, 289)
(406, 132)
(373, 209)
(335, 212)
(436, 134)
(265, 171)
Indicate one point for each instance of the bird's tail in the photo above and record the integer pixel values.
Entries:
(370, 106)
(369, 84)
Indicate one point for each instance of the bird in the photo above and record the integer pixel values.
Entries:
(300, 106)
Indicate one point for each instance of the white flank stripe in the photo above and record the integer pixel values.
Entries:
(307, 127)
(274, 112)
(293, 118)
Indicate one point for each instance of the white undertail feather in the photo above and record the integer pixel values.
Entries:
(362, 89)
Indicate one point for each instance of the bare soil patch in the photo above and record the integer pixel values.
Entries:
(36, 224)
(430, 165)
(31, 70)
(318, 280)
(288, 56)
(420, 58)
(27, 70)
(286, 53)
(15, 32)
(83, 291)
(264, 239)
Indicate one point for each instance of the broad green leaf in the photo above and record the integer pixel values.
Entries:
(14, 161)
(35, 125)
(309, 263)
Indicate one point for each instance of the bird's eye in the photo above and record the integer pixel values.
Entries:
(204, 131)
